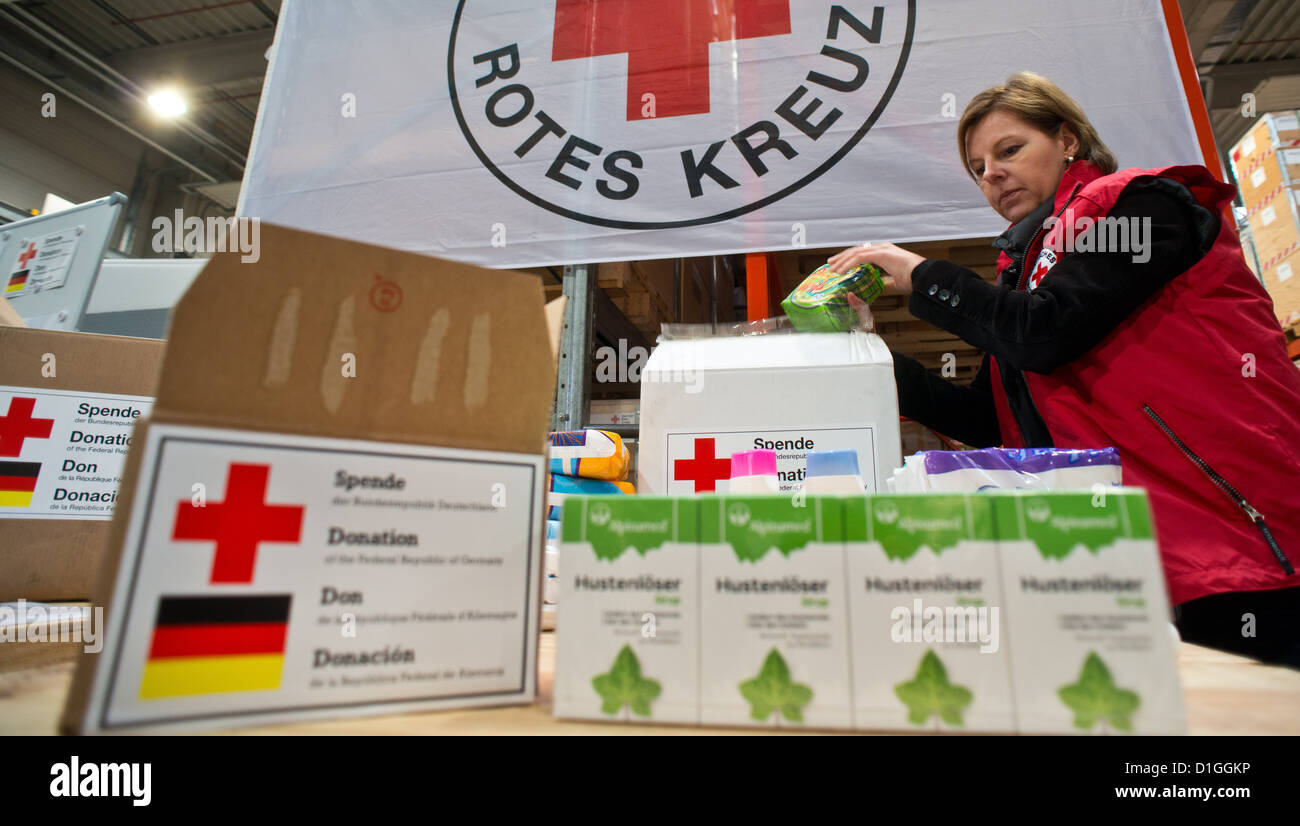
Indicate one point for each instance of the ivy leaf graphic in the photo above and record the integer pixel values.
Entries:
(623, 685)
(930, 693)
(1096, 697)
(773, 690)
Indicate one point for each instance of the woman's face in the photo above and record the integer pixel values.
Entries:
(1017, 165)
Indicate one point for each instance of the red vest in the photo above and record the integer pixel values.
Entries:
(1197, 392)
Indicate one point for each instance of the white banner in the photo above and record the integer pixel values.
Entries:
(513, 133)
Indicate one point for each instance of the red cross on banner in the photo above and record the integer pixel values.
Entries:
(239, 524)
(28, 254)
(666, 43)
(704, 470)
(18, 425)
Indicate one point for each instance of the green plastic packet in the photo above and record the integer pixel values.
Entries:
(821, 303)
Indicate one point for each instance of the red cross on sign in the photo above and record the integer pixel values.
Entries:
(28, 254)
(239, 524)
(19, 425)
(666, 43)
(704, 470)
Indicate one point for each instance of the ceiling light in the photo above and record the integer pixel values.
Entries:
(168, 103)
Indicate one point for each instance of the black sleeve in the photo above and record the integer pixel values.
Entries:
(1081, 299)
(966, 414)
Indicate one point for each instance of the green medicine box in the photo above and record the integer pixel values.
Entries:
(1036, 612)
(774, 613)
(1092, 649)
(628, 614)
(927, 615)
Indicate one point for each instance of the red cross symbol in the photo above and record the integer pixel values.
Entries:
(19, 425)
(666, 42)
(239, 524)
(1040, 270)
(28, 254)
(704, 470)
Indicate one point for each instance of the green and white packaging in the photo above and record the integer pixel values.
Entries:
(928, 625)
(773, 613)
(1091, 649)
(627, 627)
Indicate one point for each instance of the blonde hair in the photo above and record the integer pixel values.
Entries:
(1040, 103)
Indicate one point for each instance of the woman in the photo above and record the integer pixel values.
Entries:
(1167, 348)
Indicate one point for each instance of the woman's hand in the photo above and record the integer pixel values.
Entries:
(896, 262)
(866, 321)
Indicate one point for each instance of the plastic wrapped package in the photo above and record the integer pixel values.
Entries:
(776, 325)
(566, 485)
(821, 303)
(1046, 468)
(590, 454)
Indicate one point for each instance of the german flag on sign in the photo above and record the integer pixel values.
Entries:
(17, 281)
(17, 483)
(212, 645)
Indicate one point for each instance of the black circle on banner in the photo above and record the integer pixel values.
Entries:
(614, 223)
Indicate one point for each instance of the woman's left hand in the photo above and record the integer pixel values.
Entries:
(896, 262)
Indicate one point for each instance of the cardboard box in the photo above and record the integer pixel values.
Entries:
(1282, 284)
(78, 396)
(926, 608)
(9, 317)
(347, 457)
(631, 600)
(1273, 131)
(1267, 176)
(1092, 650)
(704, 399)
(1275, 226)
(1002, 611)
(774, 640)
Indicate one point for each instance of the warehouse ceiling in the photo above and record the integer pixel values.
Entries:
(1244, 47)
(112, 53)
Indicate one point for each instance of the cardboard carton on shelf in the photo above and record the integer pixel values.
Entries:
(345, 470)
(1275, 171)
(1273, 133)
(1275, 225)
(68, 403)
(1283, 285)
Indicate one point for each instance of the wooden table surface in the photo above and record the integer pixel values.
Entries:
(1225, 694)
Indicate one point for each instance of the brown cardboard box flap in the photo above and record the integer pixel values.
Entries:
(335, 338)
(56, 559)
(328, 337)
(555, 325)
(9, 316)
(58, 360)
